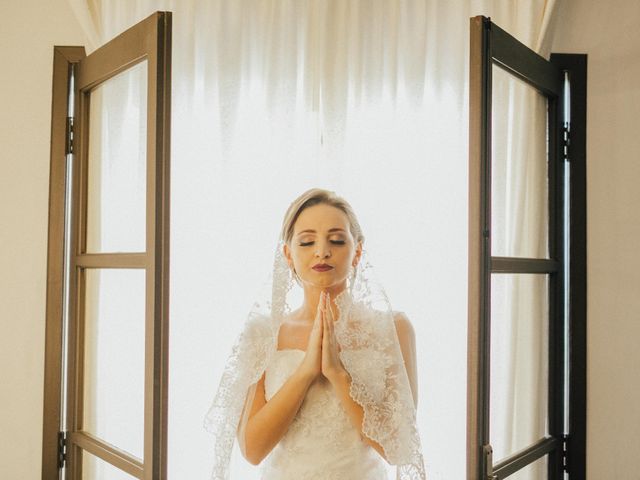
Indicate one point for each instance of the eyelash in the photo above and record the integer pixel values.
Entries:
(335, 242)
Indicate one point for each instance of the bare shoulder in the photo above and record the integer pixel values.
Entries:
(407, 340)
(258, 325)
(404, 327)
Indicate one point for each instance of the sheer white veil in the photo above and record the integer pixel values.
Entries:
(369, 350)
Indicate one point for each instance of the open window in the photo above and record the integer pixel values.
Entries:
(106, 352)
(527, 255)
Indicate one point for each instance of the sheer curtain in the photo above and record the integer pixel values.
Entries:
(367, 98)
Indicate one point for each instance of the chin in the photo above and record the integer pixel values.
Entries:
(323, 283)
(333, 283)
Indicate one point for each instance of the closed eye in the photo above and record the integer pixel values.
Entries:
(335, 242)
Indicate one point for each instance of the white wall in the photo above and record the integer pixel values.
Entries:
(609, 33)
(28, 31)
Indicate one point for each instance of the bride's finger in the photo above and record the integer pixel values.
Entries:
(329, 310)
(329, 324)
(325, 337)
(324, 316)
(319, 308)
(316, 329)
(331, 333)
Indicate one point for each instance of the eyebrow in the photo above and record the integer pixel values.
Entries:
(335, 229)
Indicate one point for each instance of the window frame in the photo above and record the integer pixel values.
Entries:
(489, 46)
(63, 444)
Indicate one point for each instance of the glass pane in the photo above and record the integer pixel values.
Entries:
(519, 361)
(519, 183)
(114, 357)
(117, 165)
(534, 471)
(94, 468)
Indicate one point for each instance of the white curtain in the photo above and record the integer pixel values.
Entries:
(367, 98)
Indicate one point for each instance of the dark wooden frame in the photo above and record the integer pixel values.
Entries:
(149, 40)
(491, 46)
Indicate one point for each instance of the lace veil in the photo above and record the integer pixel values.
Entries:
(369, 350)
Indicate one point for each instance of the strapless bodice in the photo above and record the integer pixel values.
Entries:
(321, 442)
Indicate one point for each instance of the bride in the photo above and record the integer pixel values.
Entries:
(328, 390)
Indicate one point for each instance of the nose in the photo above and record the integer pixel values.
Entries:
(323, 250)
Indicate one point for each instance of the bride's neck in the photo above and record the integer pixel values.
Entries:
(309, 308)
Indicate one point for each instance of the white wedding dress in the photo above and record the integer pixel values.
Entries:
(321, 443)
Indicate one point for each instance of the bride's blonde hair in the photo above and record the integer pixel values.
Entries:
(315, 196)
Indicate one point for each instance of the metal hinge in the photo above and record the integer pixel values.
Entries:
(62, 449)
(69, 140)
(566, 141)
(565, 453)
(487, 450)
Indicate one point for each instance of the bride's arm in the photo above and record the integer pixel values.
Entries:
(269, 421)
(407, 339)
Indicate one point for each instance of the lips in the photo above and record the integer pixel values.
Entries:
(321, 267)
